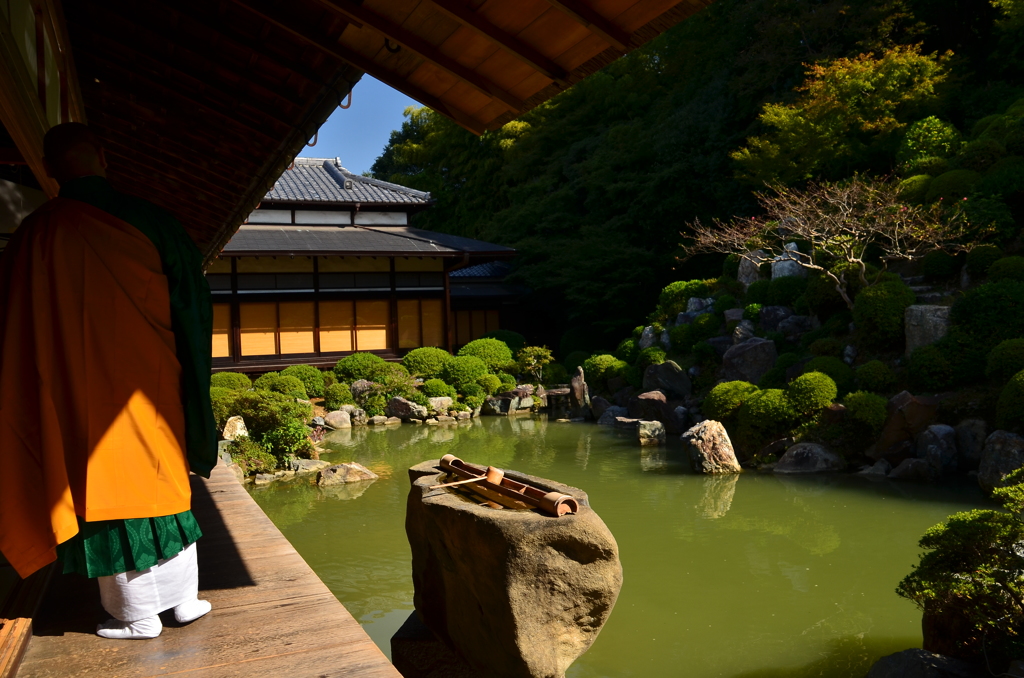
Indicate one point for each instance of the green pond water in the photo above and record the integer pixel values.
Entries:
(744, 576)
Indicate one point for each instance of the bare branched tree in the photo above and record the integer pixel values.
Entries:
(842, 222)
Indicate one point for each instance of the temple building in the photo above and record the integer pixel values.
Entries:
(328, 264)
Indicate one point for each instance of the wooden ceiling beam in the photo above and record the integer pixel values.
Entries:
(595, 23)
(366, 65)
(425, 50)
(506, 41)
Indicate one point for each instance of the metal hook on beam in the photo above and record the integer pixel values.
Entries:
(390, 48)
(348, 99)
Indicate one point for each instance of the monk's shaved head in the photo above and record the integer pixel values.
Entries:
(71, 150)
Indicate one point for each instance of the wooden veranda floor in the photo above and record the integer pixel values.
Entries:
(272, 616)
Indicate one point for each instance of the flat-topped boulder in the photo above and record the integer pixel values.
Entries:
(516, 593)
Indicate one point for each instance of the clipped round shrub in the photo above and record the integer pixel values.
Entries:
(811, 392)
(312, 379)
(827, 346)
(875, 376)
(878, 312)
(374, 405)
(757, 292)
(868, 409)
(494, 353)
(575, 359)
(915, 189)
(981, 257)
(1010, 408)
(232, 380)
(1005, 360)
(279, 383)
(724, 303)
(929, 369)
(981, 154)
(931, 165)
(329, 378)
(674, 297)
(508, 382)
(765, 412)
(426, 362)
(291, 439)
(989, 314)
(219, 392)
(627, 350)
(725, 398)
(473, 391)
(515, 341)
(1007, 268)
(835, 369)
(436, 388)
(787, 360)
(939, 265)
(598, 369)
(336, 395)
(463, 370)
(952, 186)
(650, 356)
(489, 383)
(773, 378)
(554, 373)
(358, 366)
(752, 312)
(784, 291)
(929, 136)
(982, 125)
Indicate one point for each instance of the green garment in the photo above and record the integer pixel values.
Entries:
(108, 547)
(191, 309)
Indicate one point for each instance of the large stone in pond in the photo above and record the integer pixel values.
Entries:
(809, 458)
(650, 406)
(709, 448)
(1003, 454)
(579, 395)
(667, 377)
(750, 360)
(338, 419)
(405, 409)
(918, 663)
(651, 433)
(517, 594)
(440, 404)
(350, 472)
(937, 446)
(908, 415)
(599, 405)
(609, 416)
(970, 441)
(912, 469)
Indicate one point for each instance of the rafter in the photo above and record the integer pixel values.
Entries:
(506, 41)
(367, 66)
(595, 23)
(425, 50)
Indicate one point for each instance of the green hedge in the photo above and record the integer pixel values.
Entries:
(494, 353)
(426, 362)
(463, 370)
(312, 379)
(1007, 268)
(811, 392)
(726, 398)
(515, 341)
(279, 383)
(336, 395)
(437, 388)
(1005, 360)
(231, 380)
(358, 366)
(878, 313)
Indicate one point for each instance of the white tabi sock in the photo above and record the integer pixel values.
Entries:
(150, 627)
(191, 611)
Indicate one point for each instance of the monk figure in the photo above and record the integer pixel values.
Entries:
(105, 329)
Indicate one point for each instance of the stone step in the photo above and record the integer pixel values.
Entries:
(930, 298)
(913, 279)
(921, 289)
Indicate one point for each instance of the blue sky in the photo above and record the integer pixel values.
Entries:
(359, 134)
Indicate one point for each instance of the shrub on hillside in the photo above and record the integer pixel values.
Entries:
(336, 395)
(785, 291)
(291, 439)
(811, 392)
(232, 380)
(725, 398)
(685, 337)
(980, 155)
(263, 411)
(312, 379)
(555, 373)
(436, 388)
(426, 362)
(489, 383)
(599, 368)
(868, 409)
(915, 189)
(757, 292)
(931, 165)
(827, 346)
(627, 350)
(463, 370)
(731, 266)
(990, 313)
(929, 369)
(939, 265)
(953, 186)
(724, 303)
(878, 312)
(1010, 407)
(251, 456)
(836, 369)
(773, 378)
(1007, 268)
(494, 353)
(787, 360)
(981, 257)
(752, 312)
(220, 402)
(650, 356)
(358, 366)
(508, 382)
(329, 378)
(515, 341)
(674, 297)
(473, 391)
(875, 376)
(574, 360)
(1005, 360)
(279, 383)
(764, 415)
(373, 404)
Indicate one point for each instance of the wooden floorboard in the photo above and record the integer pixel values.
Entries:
(272, 616)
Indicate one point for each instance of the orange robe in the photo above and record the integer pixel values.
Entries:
(91, 417)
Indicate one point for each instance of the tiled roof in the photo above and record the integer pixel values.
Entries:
(355, 240)
(322, 180)
(492, 269)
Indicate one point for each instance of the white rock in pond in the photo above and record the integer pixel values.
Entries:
(235, 428)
